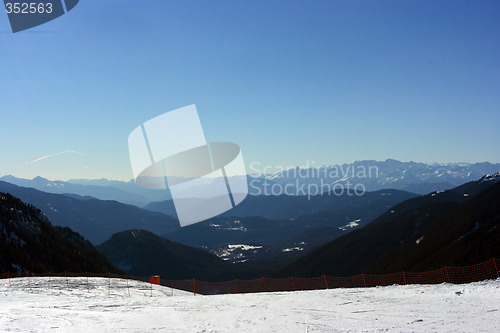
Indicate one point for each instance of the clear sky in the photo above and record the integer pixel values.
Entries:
(289, 81)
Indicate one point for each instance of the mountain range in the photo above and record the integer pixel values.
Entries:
(284, 231)
(372, 175)
(331, 233)
(95, 219)
(414, 177)
(103, 189)
(335, 215)
(453, 227)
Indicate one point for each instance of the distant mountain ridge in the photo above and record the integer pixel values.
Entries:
(124, 192)
(95, 219)
(410, 176)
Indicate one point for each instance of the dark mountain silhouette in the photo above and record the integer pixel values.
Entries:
(465, 235)
(142, 253)
(29, 242)
(358, 250)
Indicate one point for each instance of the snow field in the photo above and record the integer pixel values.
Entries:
(473, 307)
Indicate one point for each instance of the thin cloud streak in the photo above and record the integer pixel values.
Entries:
(53, 155)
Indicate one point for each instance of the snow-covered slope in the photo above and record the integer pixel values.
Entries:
(413, 308)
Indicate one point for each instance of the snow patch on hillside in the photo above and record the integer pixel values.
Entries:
(350, 225)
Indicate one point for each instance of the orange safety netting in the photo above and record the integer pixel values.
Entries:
(482, 271)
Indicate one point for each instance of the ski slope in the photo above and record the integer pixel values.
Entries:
(105, 306)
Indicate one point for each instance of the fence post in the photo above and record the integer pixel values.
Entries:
(29, 283)
(293, 283)
(172, 294)
(49, 280)
(128, 289)
(404, 277)
(326, 282)
(8, 274)
(67, 284)
(237, 287)
(87, 275)
(447, 275)
(265, 288)
(109, 283)
(364, 281)
(496, 268)
(194, 287)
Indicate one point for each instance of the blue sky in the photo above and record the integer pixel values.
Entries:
(289, 81)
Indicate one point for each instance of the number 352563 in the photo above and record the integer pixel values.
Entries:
(28, 8)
